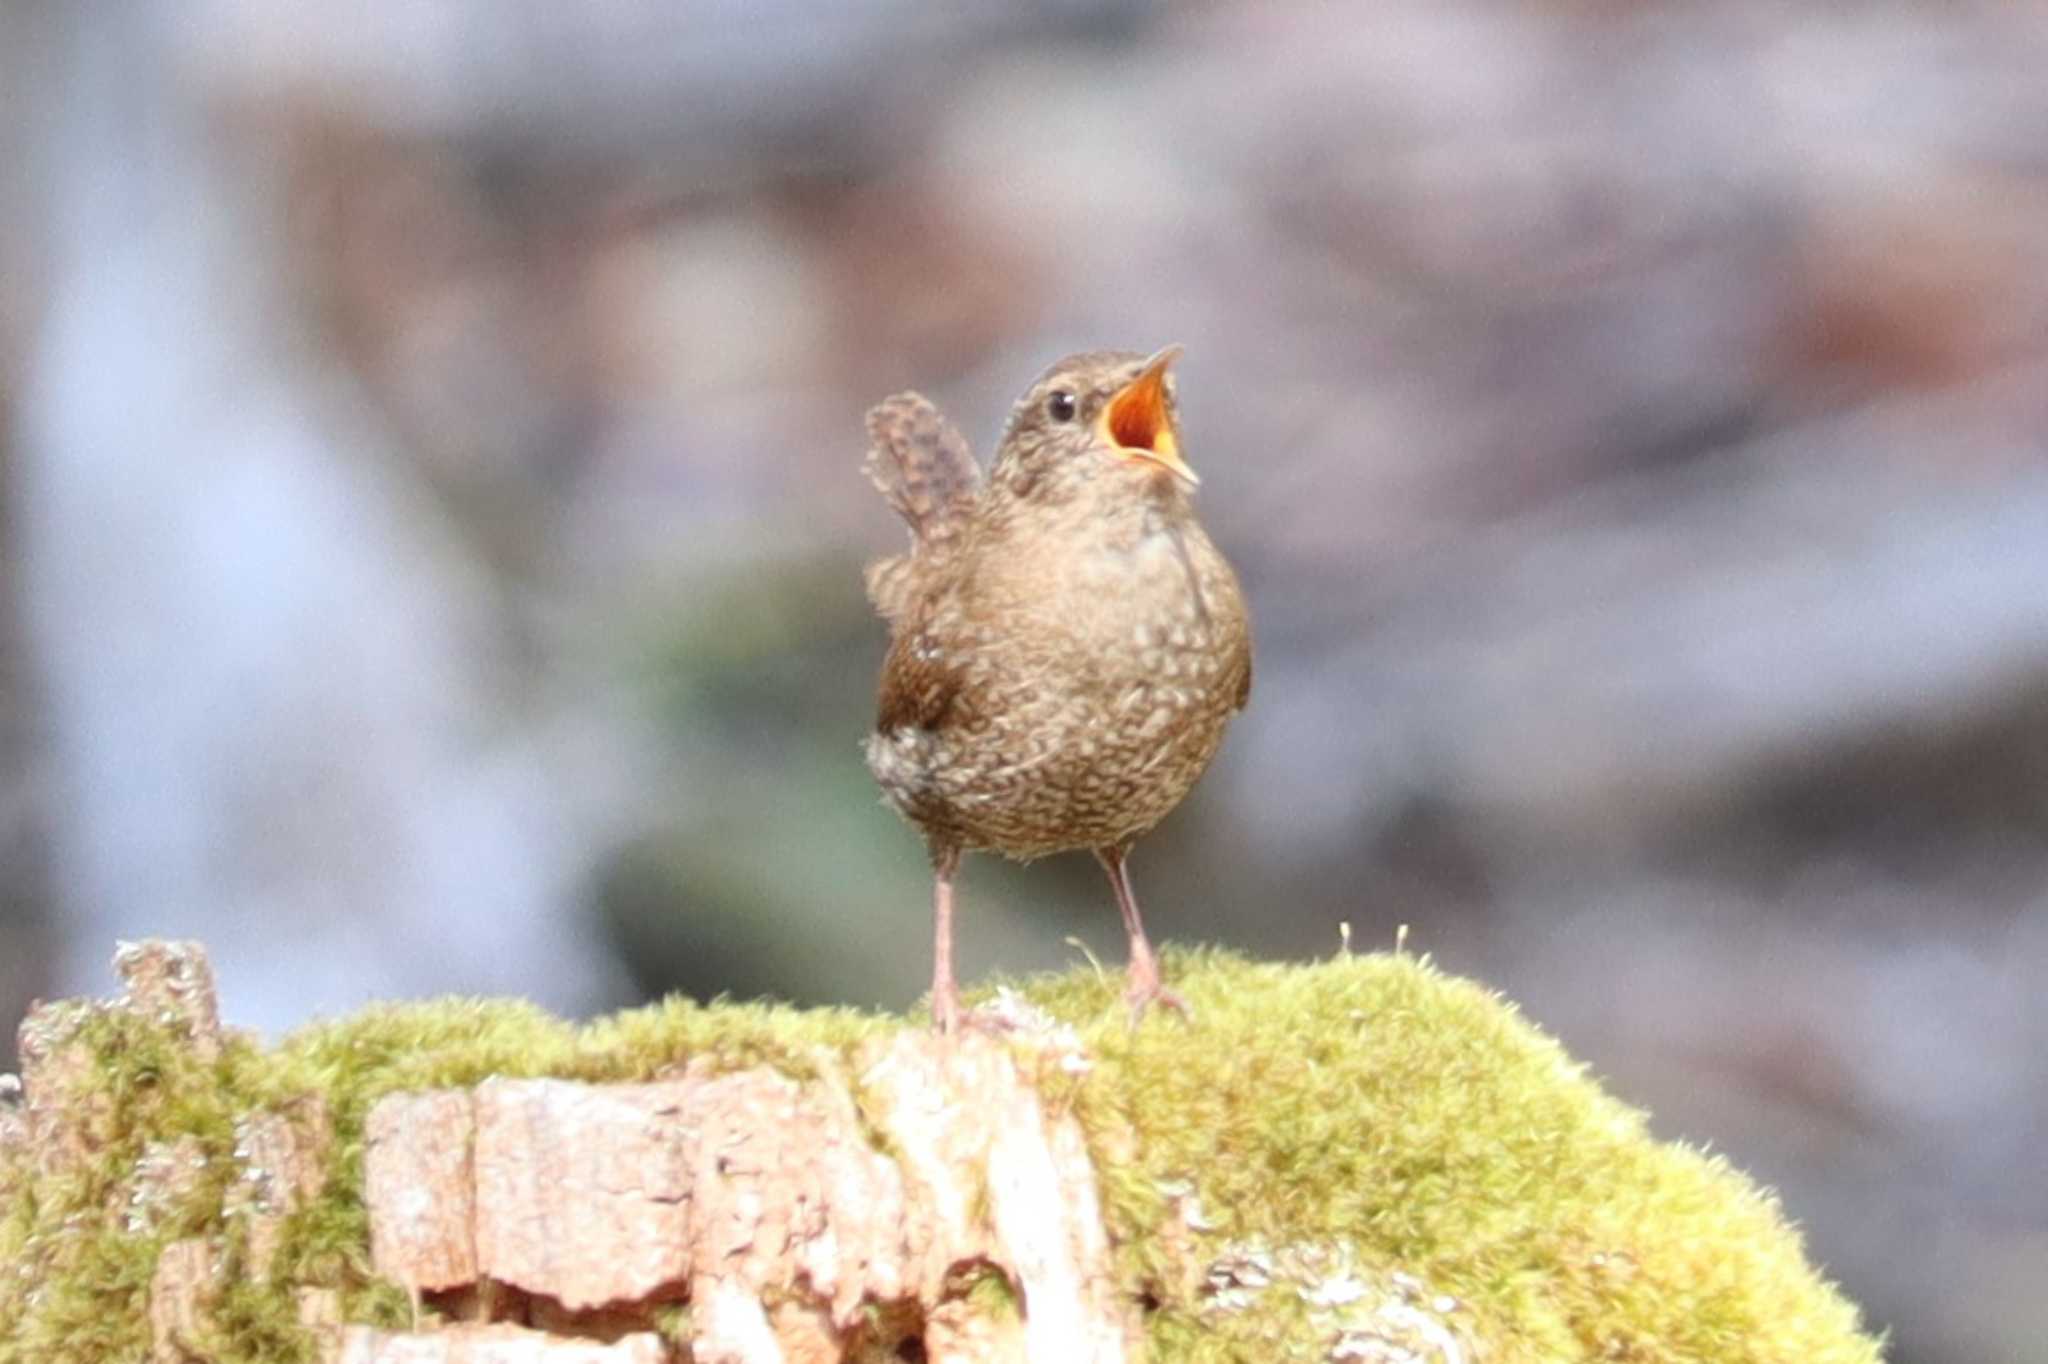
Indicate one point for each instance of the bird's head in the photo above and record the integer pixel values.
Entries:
(1097, 414)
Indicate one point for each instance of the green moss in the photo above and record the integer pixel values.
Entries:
(79, 1246)
(672, 1323)
(1418, 1124)
(1360, 1145)
(990, 1295)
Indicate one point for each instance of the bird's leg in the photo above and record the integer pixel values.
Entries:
(1145, 988)
(945, 990)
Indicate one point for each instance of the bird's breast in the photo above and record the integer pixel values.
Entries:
(1091, 664)
(1122, 646)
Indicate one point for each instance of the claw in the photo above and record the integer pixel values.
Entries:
(1146, 989)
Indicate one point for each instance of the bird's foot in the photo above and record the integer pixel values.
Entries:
(956, 1021)
(1147, 989)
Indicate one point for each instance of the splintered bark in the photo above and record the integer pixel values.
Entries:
(793, 1225)
(917, 1200)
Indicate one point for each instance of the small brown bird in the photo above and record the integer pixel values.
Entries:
(1066, 645)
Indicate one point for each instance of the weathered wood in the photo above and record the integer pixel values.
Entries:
(581, 1190)
(969, 1125)
(766, 1202)
(171, 983)
(65, 1113)
(418, 1182)
(493, 1345)
(800, 1220)
(167, 1174)
(57, 1108)
(956, 1334)
(186, 1278)
(283, 1164)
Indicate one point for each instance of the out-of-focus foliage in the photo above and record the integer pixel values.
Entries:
(431, 522)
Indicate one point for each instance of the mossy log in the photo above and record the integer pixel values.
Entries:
(1359, 1159)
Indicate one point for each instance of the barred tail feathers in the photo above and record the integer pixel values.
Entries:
(922, 465)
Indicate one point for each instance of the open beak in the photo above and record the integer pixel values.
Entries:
(1138, 424)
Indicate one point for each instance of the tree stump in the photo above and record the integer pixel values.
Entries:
(1354, 1161)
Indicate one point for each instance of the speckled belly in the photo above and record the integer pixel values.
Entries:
(1058, 767)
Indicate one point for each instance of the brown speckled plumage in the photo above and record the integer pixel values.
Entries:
(1066, 644)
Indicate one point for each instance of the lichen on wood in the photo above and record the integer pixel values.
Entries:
(1352, 1160)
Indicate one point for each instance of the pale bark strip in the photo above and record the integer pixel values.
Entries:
(771, 1204)
(582, 1191)
(967, 1123)
(493, 1345)
(419, 1184)
(186, 1278)
(283, 1165)
(733, 1328)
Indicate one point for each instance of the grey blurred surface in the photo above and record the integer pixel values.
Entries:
(431, 519)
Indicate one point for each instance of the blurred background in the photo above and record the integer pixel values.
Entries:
(432, 523)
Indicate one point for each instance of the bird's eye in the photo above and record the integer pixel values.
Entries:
(1061, 406)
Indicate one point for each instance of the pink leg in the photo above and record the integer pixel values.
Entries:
(945, 990)
(1145, 987)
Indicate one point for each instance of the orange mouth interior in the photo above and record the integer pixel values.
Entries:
(1138, 422)
(1137, 416)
